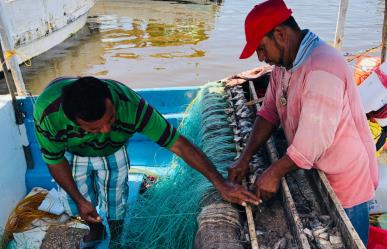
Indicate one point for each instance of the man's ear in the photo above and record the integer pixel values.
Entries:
(280, 35)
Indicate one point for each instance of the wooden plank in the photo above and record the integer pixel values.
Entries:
(340, 24)
(293, 218)
(251, 225)
(384, 33)
(248, 210)
(328, 197)
(350, 237)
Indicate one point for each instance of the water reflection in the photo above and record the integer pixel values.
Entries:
(146, 43)
(72, 57)
(125, 33)
(193, 1)
(145, 32)
(196, 53)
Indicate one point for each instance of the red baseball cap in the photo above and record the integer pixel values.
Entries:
(262, 19)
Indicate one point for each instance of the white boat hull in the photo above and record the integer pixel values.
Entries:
(12, 164)
(43, 44)
(33, 27)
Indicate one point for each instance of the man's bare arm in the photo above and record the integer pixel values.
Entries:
(62, 175)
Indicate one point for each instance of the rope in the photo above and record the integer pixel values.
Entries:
(23, 215)
(186, 111)
(350, 58)
(8, 54)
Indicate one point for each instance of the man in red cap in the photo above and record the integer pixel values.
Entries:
(313, 96)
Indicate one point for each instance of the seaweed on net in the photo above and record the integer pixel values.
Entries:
(165, 215)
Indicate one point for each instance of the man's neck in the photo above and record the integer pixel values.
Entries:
(294, 44)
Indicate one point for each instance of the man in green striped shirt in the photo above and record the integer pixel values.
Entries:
(82, 126)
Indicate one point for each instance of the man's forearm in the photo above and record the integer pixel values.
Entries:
(260, 133)
(195, 158)
(283, 166)
(62, 175)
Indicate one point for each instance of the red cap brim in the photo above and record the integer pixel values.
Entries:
(249, 50)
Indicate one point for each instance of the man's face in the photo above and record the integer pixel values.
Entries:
(103, 125)
(270, 52)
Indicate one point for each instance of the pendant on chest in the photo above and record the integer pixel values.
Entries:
(283, 100)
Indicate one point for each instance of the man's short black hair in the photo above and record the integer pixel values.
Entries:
(290, 22)
(85, 99)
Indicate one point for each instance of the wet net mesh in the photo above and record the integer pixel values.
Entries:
(165, 216)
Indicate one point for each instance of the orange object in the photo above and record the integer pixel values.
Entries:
(364, 67)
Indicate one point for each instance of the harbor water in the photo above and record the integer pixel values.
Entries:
(145, 43)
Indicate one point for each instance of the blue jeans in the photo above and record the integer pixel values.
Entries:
(359, 216)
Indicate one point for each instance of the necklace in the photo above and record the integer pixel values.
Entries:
(284, 90)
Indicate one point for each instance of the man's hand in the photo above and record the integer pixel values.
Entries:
(237, 194)
(267, 184)
(62, 175)
(238, 171)
(252, 74)
(194, 157)
(88, 212)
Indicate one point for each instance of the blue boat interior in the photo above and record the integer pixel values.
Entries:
(146, 157)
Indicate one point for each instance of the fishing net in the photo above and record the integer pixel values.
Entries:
(23, 215)
(165, 216)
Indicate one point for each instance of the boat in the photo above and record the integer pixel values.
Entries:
(171, 102)
(147, 159)
(19, 173)
(30, 28)
(22, 168)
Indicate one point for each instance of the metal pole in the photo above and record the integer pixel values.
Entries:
(19, 116)
(384, 33)
(340, 23)
(12, 62)
(11, 87)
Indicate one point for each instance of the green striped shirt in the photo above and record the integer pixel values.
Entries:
(56, 133)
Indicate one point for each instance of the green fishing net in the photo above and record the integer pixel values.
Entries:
(165, 215)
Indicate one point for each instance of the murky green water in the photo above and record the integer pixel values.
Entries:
(146, 43)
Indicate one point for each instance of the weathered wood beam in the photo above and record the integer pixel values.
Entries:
(287, 200)
(340, 24)
(384, 33)
(350, 237)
